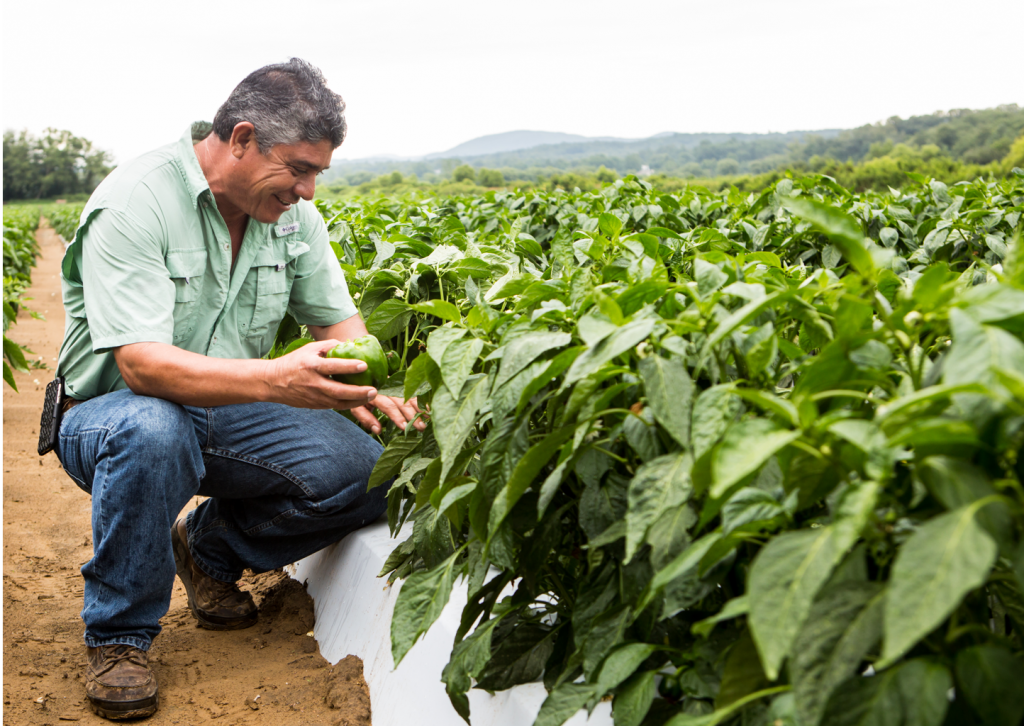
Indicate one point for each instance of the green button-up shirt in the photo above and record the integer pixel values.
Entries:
(151, 262)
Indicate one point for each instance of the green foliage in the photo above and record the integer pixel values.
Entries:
(490, 178)
(20, 251)
(63, 218)
(56, 164)
(464, 173)
(709, 454)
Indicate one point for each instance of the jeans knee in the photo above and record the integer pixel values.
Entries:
(154, 424)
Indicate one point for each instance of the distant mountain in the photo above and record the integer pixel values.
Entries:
(975, 137)
(513, 141)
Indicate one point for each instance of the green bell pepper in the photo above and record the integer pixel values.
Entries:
(367, 349)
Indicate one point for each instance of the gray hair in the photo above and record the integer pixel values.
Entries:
(286, 103)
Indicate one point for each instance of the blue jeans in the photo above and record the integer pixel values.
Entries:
(284, 482)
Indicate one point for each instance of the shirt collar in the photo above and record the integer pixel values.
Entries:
(188, 164)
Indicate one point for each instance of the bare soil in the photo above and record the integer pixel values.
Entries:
(269, 674)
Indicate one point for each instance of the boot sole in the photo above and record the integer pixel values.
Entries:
(120, 711)
(181, 557)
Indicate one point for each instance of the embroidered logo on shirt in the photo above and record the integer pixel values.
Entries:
(283, 229)
(280, 267)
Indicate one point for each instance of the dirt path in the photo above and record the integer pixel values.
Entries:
(270, 674)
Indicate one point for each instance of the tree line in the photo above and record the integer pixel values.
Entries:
(56, 164)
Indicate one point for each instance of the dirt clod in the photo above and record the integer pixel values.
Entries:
(347, 692)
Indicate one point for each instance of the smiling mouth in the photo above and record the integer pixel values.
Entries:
(283, 202)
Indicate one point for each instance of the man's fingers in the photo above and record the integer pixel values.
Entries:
(391, 408)
(351, 394)
(366, 419)
(339, 366)
(409, 410)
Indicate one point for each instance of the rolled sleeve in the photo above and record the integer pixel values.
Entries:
(319, 294)
(129, 296)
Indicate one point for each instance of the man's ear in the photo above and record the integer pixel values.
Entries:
(243, 138)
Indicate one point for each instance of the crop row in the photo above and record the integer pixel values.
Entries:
(20, 251)
(727, 453)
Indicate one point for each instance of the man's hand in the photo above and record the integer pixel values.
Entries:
(300, 379)
(400, 412)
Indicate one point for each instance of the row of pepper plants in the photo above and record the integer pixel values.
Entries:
(20, 251)
(719, 458)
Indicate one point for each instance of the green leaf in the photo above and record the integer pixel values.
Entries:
(746, 446)
(784, 578)
(456, 494)
(662, 232)
(749, 505)
(686, 561)
(912, 694)
(13, 353)
(844, 625)
(610, 225)
(724, 714)
(709, 277)
(733, 609)
(9, 377)
(658, 485)
(420, 601)
(843, 230)
(563, 703)
(468, 659)
(623, 339)
(634, 699)
(743, 673)
(438, 308)
(746, 313)
(526, 349)
(390, 462)
(990, 678)
(670, 393)
(946, 558)
(904, 405)
(454, 419)
(519, 657)
(977, 350)
(525, 474)
(417, 374)
(389, 319)
(458, 361)
(773, 404)
(439, 340)
(621, 664)
(713, 411)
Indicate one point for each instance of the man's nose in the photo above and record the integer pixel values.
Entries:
(306, 186)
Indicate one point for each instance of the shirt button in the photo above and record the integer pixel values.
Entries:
(227, 247)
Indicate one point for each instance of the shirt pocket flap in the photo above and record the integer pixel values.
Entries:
(270, 266)
(186, 269)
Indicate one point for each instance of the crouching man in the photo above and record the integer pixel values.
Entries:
(185, 262)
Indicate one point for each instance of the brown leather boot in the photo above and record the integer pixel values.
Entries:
(216, 604)
(119, 683)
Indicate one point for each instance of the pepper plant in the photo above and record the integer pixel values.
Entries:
(721, 459)
(20, 252)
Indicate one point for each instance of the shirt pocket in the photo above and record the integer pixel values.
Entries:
(265, 292)
(187, 270)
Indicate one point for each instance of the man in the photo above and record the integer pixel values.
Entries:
(185, 263)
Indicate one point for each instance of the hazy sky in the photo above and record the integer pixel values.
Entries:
(421, 77)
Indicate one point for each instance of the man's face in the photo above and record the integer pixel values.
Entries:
(267, 185)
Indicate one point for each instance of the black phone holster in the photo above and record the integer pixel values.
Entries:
(53, 409)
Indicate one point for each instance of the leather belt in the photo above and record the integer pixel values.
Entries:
(70, 403)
